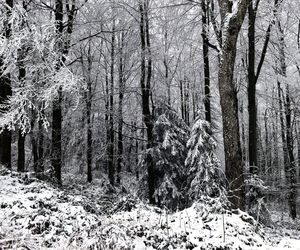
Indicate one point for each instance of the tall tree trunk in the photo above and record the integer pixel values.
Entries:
(292, 165)
(290, 169)
(120, 110)
(253, 78)
(234, 169)
(166, 63)
(282, 127)
(106, 118)
(21, 134)
(5, 92)
(205, 25)
(63, 45)
(111, 167)
(181, 87)
(187, 101)
(275, 149)
(252, 110)
(56, 157)
(89, 151)
(268, 149)
(145, 82)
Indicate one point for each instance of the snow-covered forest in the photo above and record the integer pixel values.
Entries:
(148, 124)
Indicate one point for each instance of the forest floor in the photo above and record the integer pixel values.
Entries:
(37, 215)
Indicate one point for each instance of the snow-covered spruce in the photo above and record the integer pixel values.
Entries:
(205, 177)
(168, 154)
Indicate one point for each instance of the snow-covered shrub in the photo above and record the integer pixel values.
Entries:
(168, 155)
(205, 177)
(255, 196)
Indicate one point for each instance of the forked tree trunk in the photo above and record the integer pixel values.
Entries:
(253, 78)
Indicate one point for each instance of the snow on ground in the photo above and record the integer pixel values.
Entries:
(35, 215)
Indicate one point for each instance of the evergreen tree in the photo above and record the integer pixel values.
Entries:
(168, 154)
(205, 177)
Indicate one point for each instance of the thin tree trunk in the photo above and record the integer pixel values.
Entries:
(244, 149)
(268, 148)
(182, 99)
(89, 151)
(145, 83)
(33, 142)
(111, 167)
(298, 147)
(206, 61)
(40, 167)
(290, 169)
(253, 78)
(187, 101)
(292, 165)
(282, 127)
(276, 156)
(137, 172)
(120, 111)
(21, 134)
(166, 64)
(106, 118)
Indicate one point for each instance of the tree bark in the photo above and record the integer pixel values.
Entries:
(63, 49)
(21, 151)
(120, 110)
(40, 167)
(253, 78)
(21, 134)
(56, 157)
(298, 147)
(89, 151)
(145, 83)
(252, 110)
(205, 48)
(111, 167)
(182, 99)
(290, 168)
(234, 169)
